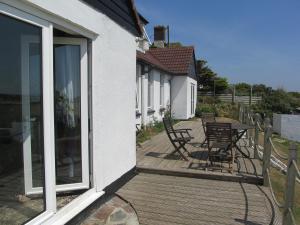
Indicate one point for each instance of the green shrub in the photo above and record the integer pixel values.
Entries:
(204, 108)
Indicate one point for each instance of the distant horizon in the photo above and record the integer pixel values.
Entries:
(242, 41)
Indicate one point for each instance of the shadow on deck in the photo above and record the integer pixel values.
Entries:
(154, 156)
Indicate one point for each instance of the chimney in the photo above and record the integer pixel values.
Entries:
(159, 36)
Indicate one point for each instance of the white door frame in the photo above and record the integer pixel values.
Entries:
(29, 189)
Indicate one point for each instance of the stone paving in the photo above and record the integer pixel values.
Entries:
(113, 212)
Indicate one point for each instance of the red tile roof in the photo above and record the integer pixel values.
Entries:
(176, 59)
(150, 59)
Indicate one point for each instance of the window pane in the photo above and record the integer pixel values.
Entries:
(150, 83)
(21, 121)
(162, 89)
(67, 114)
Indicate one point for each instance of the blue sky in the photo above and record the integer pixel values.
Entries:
(254, 41)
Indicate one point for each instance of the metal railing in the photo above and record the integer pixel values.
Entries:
(290, 168)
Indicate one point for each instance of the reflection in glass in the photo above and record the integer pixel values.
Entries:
(21, 121)
(67, 114)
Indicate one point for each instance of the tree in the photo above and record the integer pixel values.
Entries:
(221, 84)
(205, 76)
(242, 88)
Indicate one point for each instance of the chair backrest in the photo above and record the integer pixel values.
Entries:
(207, 118)
(169, 127)
(219, 132)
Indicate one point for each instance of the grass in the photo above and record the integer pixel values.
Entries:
(278, 179)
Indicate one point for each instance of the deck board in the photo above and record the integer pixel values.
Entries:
(160, 199)
(155, 155)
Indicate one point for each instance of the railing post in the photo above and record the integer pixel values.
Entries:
(290, 185)
(267, 150)
(256, 136)
(241, 108)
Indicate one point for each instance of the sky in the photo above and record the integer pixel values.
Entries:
(253, 41)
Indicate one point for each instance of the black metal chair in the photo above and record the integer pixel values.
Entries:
(220, 143)
(207, 118)
(178, 137)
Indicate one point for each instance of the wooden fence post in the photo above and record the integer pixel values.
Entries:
(290, 186)
(240, 112)
(256, 136)
(267, 150)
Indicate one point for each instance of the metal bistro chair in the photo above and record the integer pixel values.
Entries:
(178, 137)
(219, 137)
(207, 118)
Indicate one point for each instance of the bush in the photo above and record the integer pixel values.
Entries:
(221, 110)
(204, 108)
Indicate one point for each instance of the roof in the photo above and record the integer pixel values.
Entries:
(123, 12)
(176, 59)
(150, 59)
(143, 19)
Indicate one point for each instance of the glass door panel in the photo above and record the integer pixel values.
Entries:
(67, 110)
(71, 113)
(21, 121)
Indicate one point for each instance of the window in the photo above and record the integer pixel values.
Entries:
(137, 88)
(150, 90)
(162, 83)
(192, 99)
(21, 119)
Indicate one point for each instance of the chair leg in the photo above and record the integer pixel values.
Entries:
(177, 149)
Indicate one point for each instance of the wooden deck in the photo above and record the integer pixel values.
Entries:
(170, 200)
(154, 156)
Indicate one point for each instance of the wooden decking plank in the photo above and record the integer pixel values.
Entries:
(159, 147)
(167, 200)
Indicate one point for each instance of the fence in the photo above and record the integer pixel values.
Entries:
(246, 100)
(290, 169)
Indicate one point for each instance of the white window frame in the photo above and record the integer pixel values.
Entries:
(150, 90)
(192, 99)
(137, 88)
(162, 90)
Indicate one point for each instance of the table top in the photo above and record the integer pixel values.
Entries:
(241, 126)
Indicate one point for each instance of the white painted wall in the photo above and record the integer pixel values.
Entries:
(181, 97)
(114, 68)
(288, 126)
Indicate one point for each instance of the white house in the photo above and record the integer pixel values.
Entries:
(67, 81)
(166, 80)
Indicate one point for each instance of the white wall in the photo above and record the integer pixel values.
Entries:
(288, 126)
(113, 74)
(179, 96)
